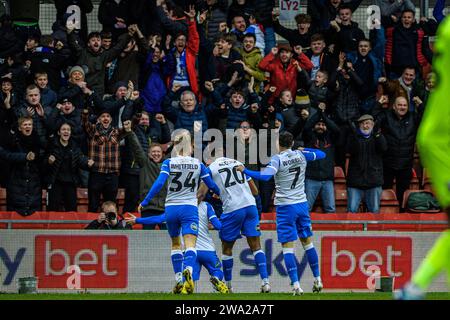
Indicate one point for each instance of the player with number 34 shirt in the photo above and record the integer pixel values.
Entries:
(184, 174)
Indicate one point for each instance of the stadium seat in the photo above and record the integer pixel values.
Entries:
(415, 184)
(389, 202)
(339, 179)
(82, 199)
(341, 200)
(120, 199)
(426, 182)
(2, 199)
(44, 200)
(339, 185)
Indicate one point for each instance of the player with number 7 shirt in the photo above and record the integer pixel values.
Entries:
(293, 221)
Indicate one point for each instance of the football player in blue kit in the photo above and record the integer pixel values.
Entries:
(239, 217)
(293, 220)
(184, 173)
(206, 251)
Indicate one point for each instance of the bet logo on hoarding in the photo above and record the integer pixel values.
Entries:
(356, 262)
(99, 261)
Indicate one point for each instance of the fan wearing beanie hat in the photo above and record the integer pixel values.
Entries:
(105, 112)
(76, 68)
(279, 121)
(124, 102)
(76, 74)
(66, 105)
(64, 99)
(118, 85)
(77, 89)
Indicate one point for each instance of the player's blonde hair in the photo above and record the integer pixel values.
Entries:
(182, 142)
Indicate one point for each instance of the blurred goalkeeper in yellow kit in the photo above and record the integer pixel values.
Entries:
(433, 140)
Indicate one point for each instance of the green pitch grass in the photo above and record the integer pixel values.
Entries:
(213, 296)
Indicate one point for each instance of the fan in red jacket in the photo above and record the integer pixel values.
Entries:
(185, 55)
(283, 68)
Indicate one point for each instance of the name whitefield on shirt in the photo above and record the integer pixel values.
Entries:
(184, 166)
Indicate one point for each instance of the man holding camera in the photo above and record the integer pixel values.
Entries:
(109, 219)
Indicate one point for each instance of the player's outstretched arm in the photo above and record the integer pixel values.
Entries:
(212, 217)
(205, 176)
(158, 184)
(313, 154)
(152, 220)
(264, 175)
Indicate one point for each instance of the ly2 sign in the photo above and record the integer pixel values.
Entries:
(289, 9)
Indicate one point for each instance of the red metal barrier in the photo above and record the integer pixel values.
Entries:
(346, 221)
(50, 220)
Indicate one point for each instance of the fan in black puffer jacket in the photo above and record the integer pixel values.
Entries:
(365, 168)
(217, 13)
(62, 163)
(23, 189)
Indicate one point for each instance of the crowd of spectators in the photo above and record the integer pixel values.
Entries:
(68, 98)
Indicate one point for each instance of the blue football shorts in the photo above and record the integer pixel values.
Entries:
(244, 221)
(293, 222)
(182, 217)
(210, 261)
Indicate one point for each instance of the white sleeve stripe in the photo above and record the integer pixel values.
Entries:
(206, 175)
(271, 167)
(165, 172)
(314, 154)
(213, 216)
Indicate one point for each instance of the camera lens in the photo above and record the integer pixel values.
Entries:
(110, 216)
